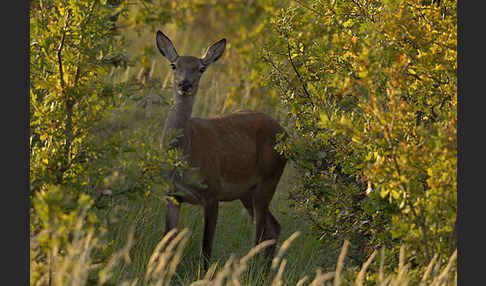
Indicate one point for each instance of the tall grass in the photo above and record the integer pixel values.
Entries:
(163, 266)
(143, 256)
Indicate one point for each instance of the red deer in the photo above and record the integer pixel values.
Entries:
(234, 153)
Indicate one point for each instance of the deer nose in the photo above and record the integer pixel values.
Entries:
(184, 85)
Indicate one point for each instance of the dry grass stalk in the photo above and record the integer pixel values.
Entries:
(277, 281)
(321, 278)
(225, 272)
(340, 263)
(443, 277)
(302, 281)
(211, 271)
(283, 249)
(428, 270)
(381, 275)
(164, 264)
(156, 253)
(364, 268)
(242, 264)
(74, 266)
(106, 272)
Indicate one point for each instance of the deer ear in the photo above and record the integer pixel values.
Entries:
(166, 47)
(214, 52)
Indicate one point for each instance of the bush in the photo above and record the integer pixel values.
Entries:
(370, 87)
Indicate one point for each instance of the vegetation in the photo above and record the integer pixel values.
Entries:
(371, 88)
(76, 265)
(366, 89)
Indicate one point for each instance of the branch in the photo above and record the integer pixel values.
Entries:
(68, 130)
(298, 74)
(59, 57)
(281, 73)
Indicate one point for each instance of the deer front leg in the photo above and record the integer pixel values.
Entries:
(171, 215)
(210, 219)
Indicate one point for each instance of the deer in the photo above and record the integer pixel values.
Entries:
(233, 154)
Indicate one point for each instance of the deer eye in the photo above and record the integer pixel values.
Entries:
(202, 69)
(172, 66)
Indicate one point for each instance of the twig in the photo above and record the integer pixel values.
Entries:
(363, 10)
(298, 74)
(312, 9)
(59, 50)
(69, 105)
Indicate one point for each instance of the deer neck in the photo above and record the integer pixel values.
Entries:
(179, 115)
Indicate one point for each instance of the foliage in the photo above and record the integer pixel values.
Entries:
(72, 49)
(371, 89)
(366, 89)
(81, 97)
(63, 222)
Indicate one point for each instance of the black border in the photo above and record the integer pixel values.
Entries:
(15, 143)
(470, 118)
(460, 147)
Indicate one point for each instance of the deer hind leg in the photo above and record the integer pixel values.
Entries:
(209, 226)
(257, 214)
(257, 217)
(248, 204)
(272, 231)
(272, 226)
(266, 226)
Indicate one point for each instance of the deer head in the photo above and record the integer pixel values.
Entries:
(188, 69)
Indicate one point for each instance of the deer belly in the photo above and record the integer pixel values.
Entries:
(235, 190)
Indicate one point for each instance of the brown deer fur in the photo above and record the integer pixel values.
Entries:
(233, 154)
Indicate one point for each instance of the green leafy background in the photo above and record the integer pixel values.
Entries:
(367, 91)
